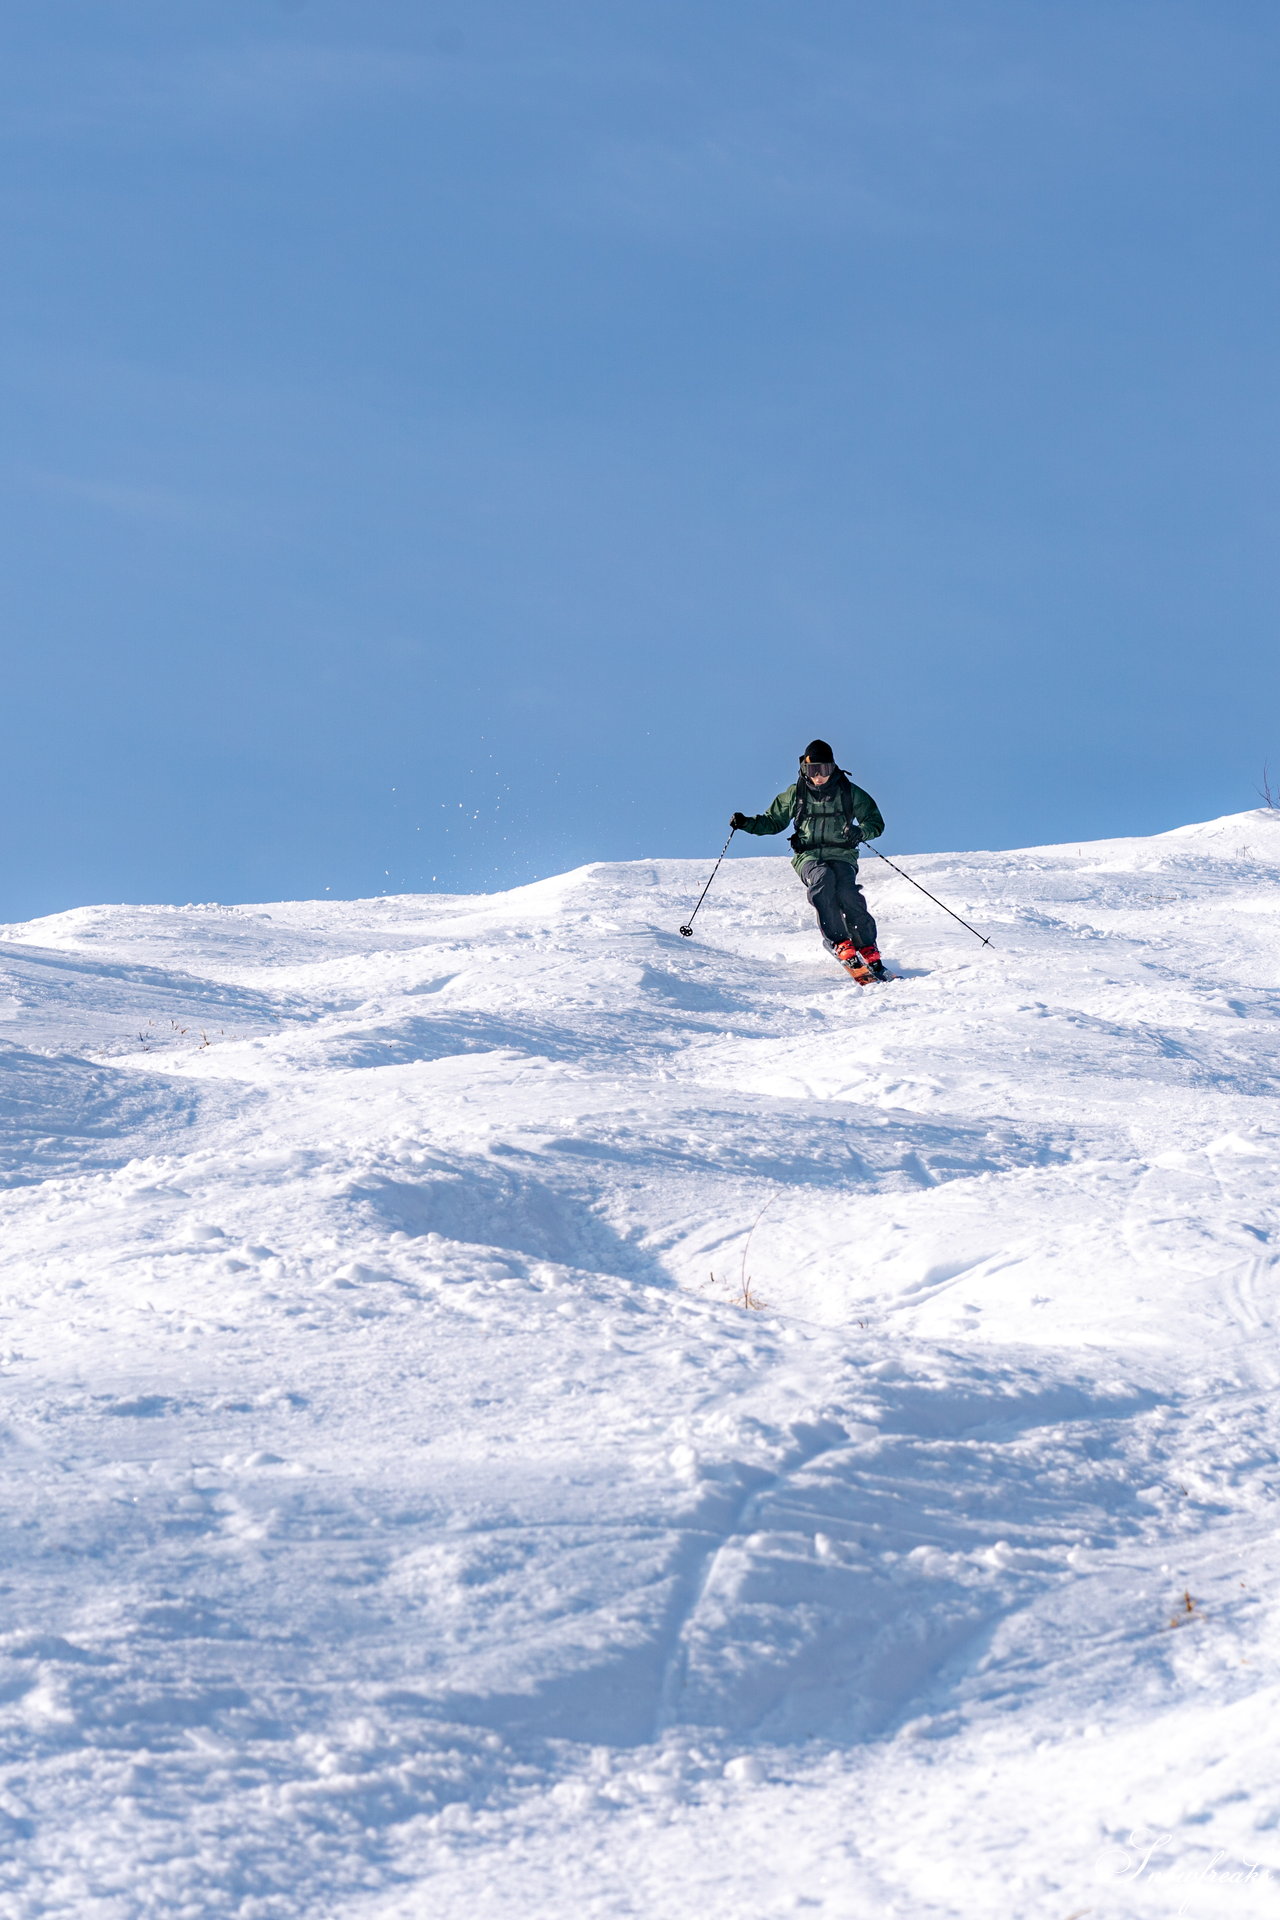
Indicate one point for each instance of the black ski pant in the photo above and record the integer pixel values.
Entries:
(843, 914)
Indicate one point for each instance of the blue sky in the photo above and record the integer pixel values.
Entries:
(446, 443)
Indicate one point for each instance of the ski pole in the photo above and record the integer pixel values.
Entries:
(924, 890)
(687, 929)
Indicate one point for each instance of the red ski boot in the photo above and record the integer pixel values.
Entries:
(864, 963)
(848, 956)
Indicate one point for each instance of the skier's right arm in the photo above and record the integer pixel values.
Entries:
(776, 818)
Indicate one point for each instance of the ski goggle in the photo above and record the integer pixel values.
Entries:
(821, 769)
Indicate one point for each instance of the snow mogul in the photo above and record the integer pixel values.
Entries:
(830, 818)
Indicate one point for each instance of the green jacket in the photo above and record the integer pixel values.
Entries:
(825, 832)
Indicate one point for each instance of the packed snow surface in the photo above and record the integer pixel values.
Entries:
(513, 1413)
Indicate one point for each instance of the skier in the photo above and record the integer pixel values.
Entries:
(831, 816)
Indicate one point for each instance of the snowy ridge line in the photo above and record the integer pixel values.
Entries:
(407, 1511)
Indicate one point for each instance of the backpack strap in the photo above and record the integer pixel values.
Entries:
(802, 807)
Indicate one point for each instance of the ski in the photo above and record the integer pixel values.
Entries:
(862, 964)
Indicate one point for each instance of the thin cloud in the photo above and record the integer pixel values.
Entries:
(264, 84)
(132, 500)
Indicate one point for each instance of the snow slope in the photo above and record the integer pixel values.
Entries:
(508, 1412)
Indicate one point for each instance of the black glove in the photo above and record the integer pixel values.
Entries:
(738, 820)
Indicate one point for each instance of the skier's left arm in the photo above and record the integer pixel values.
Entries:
(866, 813)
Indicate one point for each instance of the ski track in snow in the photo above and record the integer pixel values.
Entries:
(404, 1514)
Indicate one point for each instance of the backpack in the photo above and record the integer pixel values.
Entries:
(852, 833)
